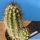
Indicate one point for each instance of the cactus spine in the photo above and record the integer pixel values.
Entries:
(13, 23)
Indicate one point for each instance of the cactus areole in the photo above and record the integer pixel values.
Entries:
(13, 23)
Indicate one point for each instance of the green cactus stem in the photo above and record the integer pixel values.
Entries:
(13, 23)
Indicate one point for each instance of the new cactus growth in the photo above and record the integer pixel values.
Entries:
(13, 23)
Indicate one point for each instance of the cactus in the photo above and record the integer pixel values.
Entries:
(13, 23)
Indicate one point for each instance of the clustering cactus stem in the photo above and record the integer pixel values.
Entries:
(13, 23)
